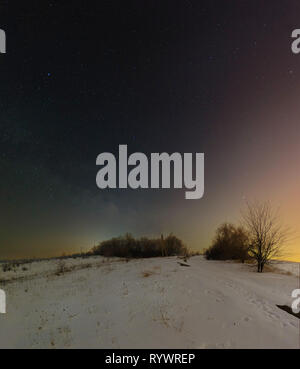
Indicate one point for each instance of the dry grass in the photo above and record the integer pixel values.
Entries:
(147, 273)
(269, 268)
(273, 269)
(62, 268)
(14, 266)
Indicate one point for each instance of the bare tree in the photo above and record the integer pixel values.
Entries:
(267, 235)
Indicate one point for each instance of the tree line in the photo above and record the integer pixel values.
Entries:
(261, 236)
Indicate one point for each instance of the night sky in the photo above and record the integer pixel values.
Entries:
(216, 77)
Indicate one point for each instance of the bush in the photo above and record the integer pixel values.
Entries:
(230, 243)
(129, 247)
(61, 267)
(11, 266)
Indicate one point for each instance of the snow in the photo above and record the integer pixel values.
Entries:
(147, 303)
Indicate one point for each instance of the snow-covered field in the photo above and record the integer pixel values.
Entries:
(148, 303)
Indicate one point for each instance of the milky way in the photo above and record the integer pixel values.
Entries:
(186, 76)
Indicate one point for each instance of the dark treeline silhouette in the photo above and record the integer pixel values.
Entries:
(129, 247)
(230, 243)
(261, 237)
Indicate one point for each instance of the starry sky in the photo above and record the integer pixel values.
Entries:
(79, 79)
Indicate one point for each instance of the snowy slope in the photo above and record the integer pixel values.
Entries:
(149, 303)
